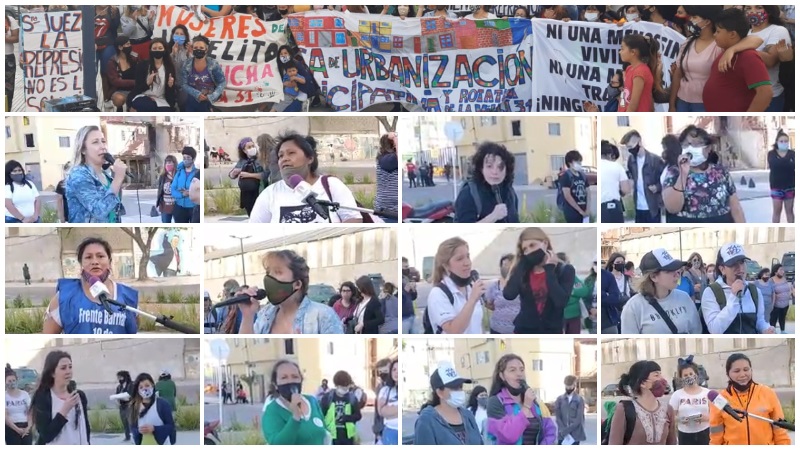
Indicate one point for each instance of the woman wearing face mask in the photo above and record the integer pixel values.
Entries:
(698, 191)
(155, 89)
(492, 177)
(388, 407)
(542, 283)
(75, 310)
(290, 311)
(19, 418)
(616, 265)
(592, 13)
(766, 287)
(503, 311)
(341, 410)
(574, 188)
(290, 417)
(279, 203)
(784, 297)
(137, 24)
(165, 203)
(478, 399)
(60, 411)
(201, 78)
(660, 308)
(22, 198)
(744, 394)
(181, 186)
(655, 420)
(730, 305)
(444, 420)
(711, 273)
(766, 23)
(691, 406)
(121, 72)
(781, 178)
(180, 45)
(482, 13)
(251, 174)
(125, 386)
(516, 417)
(151, 417)
(454, 302)
(368, 316)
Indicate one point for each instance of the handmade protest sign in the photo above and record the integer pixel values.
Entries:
(244, 46)
(434, 64)
(51, 56)
(575, 60)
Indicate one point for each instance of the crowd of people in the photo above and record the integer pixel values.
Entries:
(692, 297)
(687, 183)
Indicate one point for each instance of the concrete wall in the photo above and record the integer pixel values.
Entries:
(41, 253)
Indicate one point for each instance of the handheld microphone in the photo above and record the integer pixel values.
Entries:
(722, 404)
(301, 187)
(497, 197)
(474, 275)
(260, 295)
(741, 293)
(110, 160)
(71, 387)
(100, 292)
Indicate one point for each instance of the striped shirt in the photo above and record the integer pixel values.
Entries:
(386, 190)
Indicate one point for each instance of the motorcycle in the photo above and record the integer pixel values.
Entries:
(436, 212)
(210, 434)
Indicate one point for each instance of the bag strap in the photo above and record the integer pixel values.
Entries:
(450, 297)
(473, 191)
(654, 303)
(719, 294)
(630, 420)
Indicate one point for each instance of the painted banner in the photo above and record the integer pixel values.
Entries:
(434, 64)
(575, 60)
(246, 47)
(51, 56)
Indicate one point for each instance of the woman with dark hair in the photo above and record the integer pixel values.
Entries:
(515, 415)
(389, 308)
(345, 305)
(784, 297)
(697, 275)
(60, 411)
(655, 420)
(165, 203)
(492, 177)
(616, 265)
(290, 311)
(137, 23)
(386, 175)
(643, 75)
(290, 417)
(155, 89)
(125, 386)
(388, 407)
(504, 312)
(691, 405)
(201, 78)
(368, 314)
(444, 420)
(150, 426)
(766, 287)
(781, 177)
(672, 150)
(180, 45)
(19, 415)
(766, 23)
(75, 309)
(574, 188)
(251, 174)
(542, 283)
(697, 190)
(746, 395)
(22, 198)
(121, 72)
(478, 401)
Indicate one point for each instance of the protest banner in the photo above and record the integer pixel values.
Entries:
(575, 60)
(435, 64)
(51, 56)
(244, 46)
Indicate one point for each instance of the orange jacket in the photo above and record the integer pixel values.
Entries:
(759, 400)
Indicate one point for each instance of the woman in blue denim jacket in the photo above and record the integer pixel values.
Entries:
(201, 78)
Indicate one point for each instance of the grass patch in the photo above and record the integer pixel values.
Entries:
(174, 297)
(790, 314)
(252, 437)
(193, 299)
(49, 215)
(226, 201)
(187, 418)
(27, 321)
(365, 180)
(20, 302)
(161, 296)
(788, 412)
(349, 178)
(238, 426)
(630, 208)
(207, 184)
(187, 315)
(542, 213)
(366, 199)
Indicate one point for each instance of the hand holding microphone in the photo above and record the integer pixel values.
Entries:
(309, 197)
(478, 287)
(246, 299)
(500, 211)
(119, 168)
(738, 287)
(722, 404)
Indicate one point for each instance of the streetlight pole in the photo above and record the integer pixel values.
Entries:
(241, 247)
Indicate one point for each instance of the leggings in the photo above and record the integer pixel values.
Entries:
(12, 438)
(699, 438)
(778, 315)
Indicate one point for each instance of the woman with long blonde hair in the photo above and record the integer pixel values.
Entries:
(542, 283)
(453, 303)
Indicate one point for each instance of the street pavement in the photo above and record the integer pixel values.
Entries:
(183, 438)
(41, 293)
(146, 198)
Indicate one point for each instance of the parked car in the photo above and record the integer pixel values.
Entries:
(321, 293)
(751, 269)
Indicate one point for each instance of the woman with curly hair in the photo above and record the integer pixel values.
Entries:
(386, 176)
(489, 196)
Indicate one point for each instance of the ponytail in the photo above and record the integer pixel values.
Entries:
(653, 61)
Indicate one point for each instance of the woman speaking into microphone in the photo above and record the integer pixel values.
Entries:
(75, 309)
(60, 410)
(94, 193)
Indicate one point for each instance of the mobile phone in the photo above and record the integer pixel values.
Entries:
(694, 417)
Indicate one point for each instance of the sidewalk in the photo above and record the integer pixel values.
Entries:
(183, 438)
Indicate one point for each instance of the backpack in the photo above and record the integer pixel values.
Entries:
(630, 423)
(426, 321)
(473, 192)
(719, 294)
(365, 218)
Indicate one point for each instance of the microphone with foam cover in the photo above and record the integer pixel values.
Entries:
(722, 404)
(309, 197)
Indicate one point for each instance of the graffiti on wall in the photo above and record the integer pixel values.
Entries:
(168, 250)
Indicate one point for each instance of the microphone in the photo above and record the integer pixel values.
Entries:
(100, 292)
(497, 197)
(474, 275)
(741, 293)
(260, 295)
(722, 404)
(110, 160)
(301, 187)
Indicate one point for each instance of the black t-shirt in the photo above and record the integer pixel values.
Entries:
(781, 170)
(576, 182)
(340, 403)
(62, 191)
(460, 430)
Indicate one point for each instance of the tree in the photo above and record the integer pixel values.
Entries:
(249, 380)
(390, 127)
(143, 241)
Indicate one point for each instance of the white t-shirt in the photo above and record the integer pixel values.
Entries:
(70, 434)
(440, 311)
(771, 35)
(151, 417)
(360, 309)
(489, 16)
(12, 25)
(611, 174)
(641, 197)
(17, 406)
(391, 393)
(24, 198)
(686, 405)
(280, 204)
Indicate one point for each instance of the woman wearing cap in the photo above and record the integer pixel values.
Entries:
(691, 405)
(744, 394)
(659, 307)
(444, 420)
(541, 282)
(290, 417)
(655, 420)
(515, 415)
(784, 295)
(730, 305)
(250, 173)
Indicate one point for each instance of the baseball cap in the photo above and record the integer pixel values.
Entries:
(732, 253)
(207, 295)
(446, 376)
(658, 260)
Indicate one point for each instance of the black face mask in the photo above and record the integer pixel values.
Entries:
(199, 54)
(764, 278)
(613, 92)
(157, 54)
(283, 11)
(460, 282)
(286, 390)
(535, 258)
(406, 272)
(619, 267)
(741, 387)
(127, 50)
(634, 151)
(646, 15)
(569, 390)
(515, 391)
(779, 275)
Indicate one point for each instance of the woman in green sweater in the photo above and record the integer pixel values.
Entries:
(572, 312)
(289, 417)
(590, 301)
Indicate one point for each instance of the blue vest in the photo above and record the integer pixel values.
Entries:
(80, 315)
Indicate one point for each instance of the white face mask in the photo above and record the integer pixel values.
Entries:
(631, 17)
(591, 17)
(342, 391)
(696, 156)
(285, 59)
(577, 167)
(457, 399)
(252, 151)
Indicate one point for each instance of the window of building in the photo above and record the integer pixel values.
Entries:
(488, 121)
(288, 347)
(8, 132)
(556, 162)
(330, 348)
(554, 129)
(623, 121)
(538, 365)
(29, 142)
(63, 141)
(516, 128)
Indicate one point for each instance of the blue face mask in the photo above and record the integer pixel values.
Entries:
(783, 146)
(179, 39)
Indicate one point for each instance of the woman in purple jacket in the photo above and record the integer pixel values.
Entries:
(515, 416)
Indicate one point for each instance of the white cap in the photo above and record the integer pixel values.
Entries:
(446, 376)
(732, 253)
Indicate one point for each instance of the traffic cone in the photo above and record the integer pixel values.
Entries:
(752, 184)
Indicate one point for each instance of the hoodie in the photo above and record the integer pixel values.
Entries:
(183, 180)
(431, 429)
(507, 424)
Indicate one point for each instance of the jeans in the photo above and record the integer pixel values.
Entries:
(684, 106)
(193, 105)
(699, 438)
(645, 217)
(147, 104)
(389, 436)
(182, 215)
(776, 105)
(166, 218)
(408, 325)
(572, 216)
(610, 330)
(10, 219)
(124, 417)
(611, 212)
